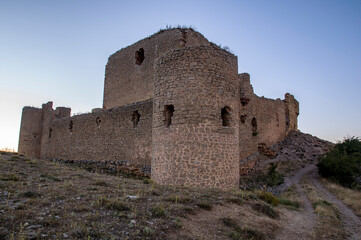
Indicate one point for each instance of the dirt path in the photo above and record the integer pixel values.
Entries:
(350, 221)
(299, 225)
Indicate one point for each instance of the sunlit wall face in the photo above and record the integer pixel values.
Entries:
(57, 50)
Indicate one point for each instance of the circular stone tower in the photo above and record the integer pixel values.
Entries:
(196, 118)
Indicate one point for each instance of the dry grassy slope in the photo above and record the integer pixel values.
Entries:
(41, 199)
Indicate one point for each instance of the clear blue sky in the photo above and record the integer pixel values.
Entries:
(57, 50)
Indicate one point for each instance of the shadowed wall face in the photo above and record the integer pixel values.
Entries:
(196, 118)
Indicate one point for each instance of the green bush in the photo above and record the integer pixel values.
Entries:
(343, 163)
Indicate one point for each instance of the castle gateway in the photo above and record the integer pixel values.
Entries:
(173, 103)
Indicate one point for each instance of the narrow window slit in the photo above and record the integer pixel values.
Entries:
(226, 116)
(254, 127)
(135, 118)
(71, 126)
(243, 119)
(98, 121)
(168, 114)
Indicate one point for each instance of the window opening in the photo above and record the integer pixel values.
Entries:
(243, 118)
(254, 127)
(135, 118)
(245, 101)
(50, 130)
(226, 116)
(98, 121)
(71, 126)
(168, 114)
(139, 56)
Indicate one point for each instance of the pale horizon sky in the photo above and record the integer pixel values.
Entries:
(57, 51)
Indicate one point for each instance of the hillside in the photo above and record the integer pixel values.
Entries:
(51, 200)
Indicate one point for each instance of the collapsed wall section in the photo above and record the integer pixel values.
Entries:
(129, 73)
(117, 134)
(196, 118)
(292, 112)
(263, 122)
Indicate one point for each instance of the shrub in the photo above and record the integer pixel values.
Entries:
(158, 211)
(265, 209)
(205, 206)
(343, 163)
(30, 194)
(113, 204)
(289, 203)
(101, 183)
(239, 232)
(178, 199)
(269, 198)
(148, 231)
(274, 178)
(235, 200)
(9, 177)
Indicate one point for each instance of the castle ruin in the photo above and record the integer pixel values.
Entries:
(173, 102)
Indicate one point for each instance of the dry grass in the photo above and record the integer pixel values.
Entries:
(330, 225)
(51, 200)
(350, 197)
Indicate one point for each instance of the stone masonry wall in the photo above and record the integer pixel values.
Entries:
(196, 148)
(30, 132)
(263, 121)
(292, 112)
(128, 81)
(174, 101)
(116, 134)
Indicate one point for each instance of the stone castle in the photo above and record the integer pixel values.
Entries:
(173, 102)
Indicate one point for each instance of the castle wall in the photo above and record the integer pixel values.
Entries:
(30, 132)
(270, 124)
(292, 112)
(127, 81)
(263, 121)
(196, 149)
(108, 135)
(173, 101)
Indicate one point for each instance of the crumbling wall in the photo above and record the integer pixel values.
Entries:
(30, 132)
(108, 135)
(173, 101)
(263, 121)
(196, 118)
(129, 73)
(292, 112)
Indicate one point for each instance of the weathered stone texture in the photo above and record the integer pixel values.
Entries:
(109, 135)
(196, 149)
(127, 82)
(174, 101)
(30, 132)
(263, 121)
